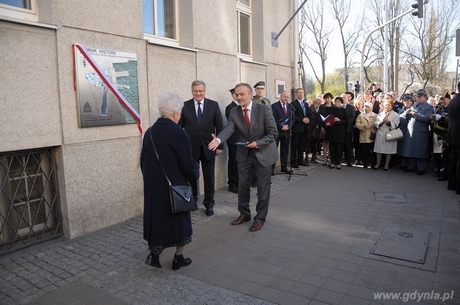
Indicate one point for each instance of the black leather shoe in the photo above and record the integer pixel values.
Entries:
(294, 166)
(209, 211)
(419, 173)
(153, 260)
(442, 179)
(180, 261)
(233, 190)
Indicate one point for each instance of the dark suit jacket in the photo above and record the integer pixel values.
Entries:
(280, 117)
(263, 132)
(350, 113)
(200, 136)
(235, 136)
(453, 131)
(299, 126)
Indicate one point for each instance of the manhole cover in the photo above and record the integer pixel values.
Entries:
(402, 244)
(390, 197)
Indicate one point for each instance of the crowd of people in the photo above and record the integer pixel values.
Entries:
(335, 131)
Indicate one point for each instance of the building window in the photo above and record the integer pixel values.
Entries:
(243, 10)
(159, 18)
(26, 9)
(29, 202)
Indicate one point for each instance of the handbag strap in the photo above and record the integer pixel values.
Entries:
(158, 158)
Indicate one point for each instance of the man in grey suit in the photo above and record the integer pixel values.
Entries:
(256, 154)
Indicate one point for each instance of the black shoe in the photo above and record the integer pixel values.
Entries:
(209, 211)
(294, 166)
(153, 260)
(349, 165)
(442, 179)
(419, 173)
(436, 174)
(233, 190)
(285, 170)
(180, 261)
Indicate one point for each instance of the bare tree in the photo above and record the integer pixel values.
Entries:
(314, 39)
(341, 13)
(429, 40)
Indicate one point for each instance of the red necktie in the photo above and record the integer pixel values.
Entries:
(284, 109)
(246, 118)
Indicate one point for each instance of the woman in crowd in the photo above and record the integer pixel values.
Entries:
(359, 107)
(317, 136)
(335, 131)
(387, 119)
(365, 123)
(162, 228)
(324, 111)
(408, 101)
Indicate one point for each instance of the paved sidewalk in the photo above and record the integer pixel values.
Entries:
(315, 248)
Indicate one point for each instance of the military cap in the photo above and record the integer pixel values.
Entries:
(421, 92)
(261, 83)
(232, 90)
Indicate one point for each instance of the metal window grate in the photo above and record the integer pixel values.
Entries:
(29, 202)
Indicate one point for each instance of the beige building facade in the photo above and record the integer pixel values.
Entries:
(62, 179)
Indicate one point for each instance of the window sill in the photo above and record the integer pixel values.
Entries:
(248, 60)
(166, 43)
(28, 22)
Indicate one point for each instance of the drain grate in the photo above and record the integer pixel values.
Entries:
(403, 244)
(390, 197)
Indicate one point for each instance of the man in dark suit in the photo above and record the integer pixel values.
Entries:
(300, 128)
(232, 165)
(282, 115)
(255, 156)
(453, 138)
(200, 118)
(350, 112)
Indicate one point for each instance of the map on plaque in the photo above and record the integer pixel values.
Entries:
(97, 103)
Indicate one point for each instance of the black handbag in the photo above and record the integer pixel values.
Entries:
(180, 196)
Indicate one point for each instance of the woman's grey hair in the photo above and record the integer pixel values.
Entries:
(168, 104)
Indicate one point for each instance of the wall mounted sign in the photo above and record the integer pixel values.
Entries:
(106, 85)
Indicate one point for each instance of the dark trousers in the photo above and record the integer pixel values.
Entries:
(298, 144)
(284, 150)
(365, 151)
(207, 167)
(454, 169)
(232, 167)
(336, 152)
(247, 170)
(445, 161)
(347, 147)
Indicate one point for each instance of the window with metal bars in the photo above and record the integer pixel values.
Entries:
(29, 202)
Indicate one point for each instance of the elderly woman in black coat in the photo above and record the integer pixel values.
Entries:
(162, 228)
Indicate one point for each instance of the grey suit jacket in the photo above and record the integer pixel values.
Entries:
(263, 132)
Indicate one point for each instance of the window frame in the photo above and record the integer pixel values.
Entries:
(243, 9)
(20, 13)
(155, 38)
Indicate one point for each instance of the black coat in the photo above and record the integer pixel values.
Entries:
(161, 226)
(453, 132)
(336, 132)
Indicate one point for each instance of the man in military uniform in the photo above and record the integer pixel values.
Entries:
(441, 149)
(260, 94)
